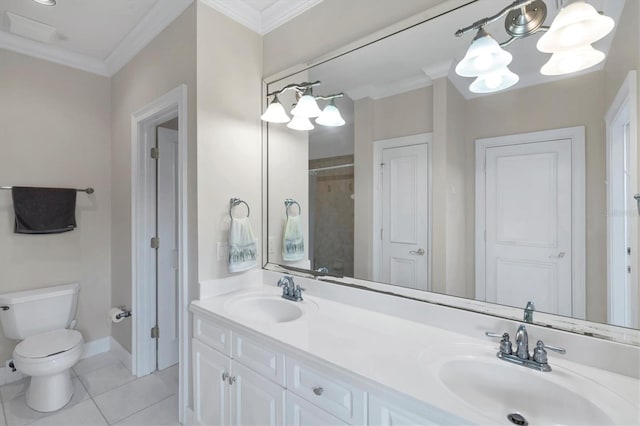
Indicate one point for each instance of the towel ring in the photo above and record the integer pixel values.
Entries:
(288, 202)
(236, 201)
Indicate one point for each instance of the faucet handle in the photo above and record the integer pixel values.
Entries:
(551, 348)
(505, 343)
(297, 293)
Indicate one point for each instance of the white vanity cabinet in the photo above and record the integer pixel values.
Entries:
(225, 392)
(242, 379)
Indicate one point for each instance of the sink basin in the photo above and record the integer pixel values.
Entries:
(507, 389)
(263, 308)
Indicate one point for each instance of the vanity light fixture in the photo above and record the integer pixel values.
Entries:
(569, 38)
(331, 114)
(46, 2)
(484, 56)
(495, 81)
(305, 108)
(300, 123)
(275, 112)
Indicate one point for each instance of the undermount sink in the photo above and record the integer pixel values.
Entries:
(508, 394)
(267, 308)
(507, 389)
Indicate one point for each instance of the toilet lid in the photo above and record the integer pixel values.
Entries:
(47, 344)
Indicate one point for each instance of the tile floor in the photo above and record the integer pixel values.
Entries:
(105, 393)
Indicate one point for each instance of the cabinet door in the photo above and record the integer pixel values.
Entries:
(303, 413)
(255, 401)
(390, 411)
(210, 391)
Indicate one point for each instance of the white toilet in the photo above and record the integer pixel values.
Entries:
(41, 319)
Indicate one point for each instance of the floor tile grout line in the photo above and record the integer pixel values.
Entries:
(142, 409)
(120, 385)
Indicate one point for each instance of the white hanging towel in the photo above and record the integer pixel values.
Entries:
(293, 240)
(242, 245)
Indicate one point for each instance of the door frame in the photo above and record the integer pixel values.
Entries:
(378, 147)
(578, 249)
(143, 124)
(626, 98)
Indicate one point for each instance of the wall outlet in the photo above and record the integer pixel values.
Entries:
(222, 250)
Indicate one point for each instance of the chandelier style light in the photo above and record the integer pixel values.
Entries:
(568, 39)
(305, 108)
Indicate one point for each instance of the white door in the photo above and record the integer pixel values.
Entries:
(528, 243)
(210, 389)
(255, 401)
(167, 254)
(405, 220)
(622, 208)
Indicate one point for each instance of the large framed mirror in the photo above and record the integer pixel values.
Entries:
(445, 189)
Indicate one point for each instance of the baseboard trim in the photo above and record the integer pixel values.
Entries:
(189, 417)
(95, 347)
(120, 353)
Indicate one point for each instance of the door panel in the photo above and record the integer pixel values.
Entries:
(167, 283)
(528, 225)
(405, 226)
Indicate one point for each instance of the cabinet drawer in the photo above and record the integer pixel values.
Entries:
(322, 388)
(304, 413)
(213, 334)
(259, 356)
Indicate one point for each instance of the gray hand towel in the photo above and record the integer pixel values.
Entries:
(44, 210)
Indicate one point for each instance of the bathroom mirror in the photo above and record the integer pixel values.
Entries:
(523, 194)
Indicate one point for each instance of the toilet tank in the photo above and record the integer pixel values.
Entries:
(25, 313)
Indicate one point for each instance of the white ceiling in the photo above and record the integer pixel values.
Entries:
(101, 36)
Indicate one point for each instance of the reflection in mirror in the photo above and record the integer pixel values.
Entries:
(522, 194)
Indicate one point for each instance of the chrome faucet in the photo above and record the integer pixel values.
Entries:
(521, 356)
(522, 342)
(290, 290)
(528, 312)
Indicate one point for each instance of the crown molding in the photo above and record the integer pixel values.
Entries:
(271, 18)
(159, 17)
(52, 54)
(239, 11)
(283, 11)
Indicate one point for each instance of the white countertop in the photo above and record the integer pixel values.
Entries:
(405, 356)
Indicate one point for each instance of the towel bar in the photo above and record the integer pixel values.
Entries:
(236, 201)
(87, 190)
(288, 202)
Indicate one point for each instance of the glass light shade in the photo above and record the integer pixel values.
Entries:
(483, 56)
(574, 60)
(330, 116)
(300, 123)
(577, 24)
(275, 113)
(307, 106)
(495, 81)
(46, 2)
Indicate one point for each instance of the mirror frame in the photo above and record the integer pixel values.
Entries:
(573, 325)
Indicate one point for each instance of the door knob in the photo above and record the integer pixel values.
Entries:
(557, 256)
(419, 252)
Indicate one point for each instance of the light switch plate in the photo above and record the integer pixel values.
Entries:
(222, 250)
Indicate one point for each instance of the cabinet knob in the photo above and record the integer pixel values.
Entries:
(318, 390)
(232, 379)
(225, 376)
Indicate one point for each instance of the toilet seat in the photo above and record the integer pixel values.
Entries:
(48, 344)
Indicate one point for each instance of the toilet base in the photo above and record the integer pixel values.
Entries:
(50, 393)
